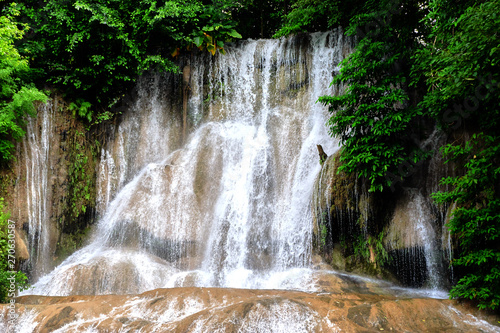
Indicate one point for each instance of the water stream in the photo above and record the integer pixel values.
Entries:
(231, 207)
(39, 169)
(227, 206)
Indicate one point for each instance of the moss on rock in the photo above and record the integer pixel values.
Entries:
(348, 218)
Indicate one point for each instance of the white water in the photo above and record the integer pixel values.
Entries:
(412, 231)
(424, 230)
(231, 208)
(37, 147)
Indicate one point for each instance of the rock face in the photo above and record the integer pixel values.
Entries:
(243, 310)
(346, 218)
(22, 253)
(229, 206)
(44, 189)
(400, 231)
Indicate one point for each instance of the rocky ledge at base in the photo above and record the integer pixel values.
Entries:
(194, 309)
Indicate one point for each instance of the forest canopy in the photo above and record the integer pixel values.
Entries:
(94, 50)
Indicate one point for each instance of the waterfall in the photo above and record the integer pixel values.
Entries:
(229, 207)
(37, 147)
(427, 236)
(413, 236)
(146, 134)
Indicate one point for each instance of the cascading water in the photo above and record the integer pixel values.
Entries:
(427, 237)
(413, 238)
(231, 207)
(37, 147)
(146, 134)
(228, 205)
(437, 170)
(418, 233)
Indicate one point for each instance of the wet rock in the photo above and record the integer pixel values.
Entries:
(360, 315)
(22, 253)
(243, 310)
(59, 319)
(348, 217)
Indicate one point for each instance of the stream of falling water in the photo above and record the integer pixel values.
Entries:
(231, 207)
(37, 146)
(426, 236)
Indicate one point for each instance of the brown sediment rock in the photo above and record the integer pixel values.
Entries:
(57, 136)
(345, 216)
(22, 253)
(244, 310)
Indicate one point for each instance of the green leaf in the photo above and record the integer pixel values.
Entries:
(233, 33)
(198, 41)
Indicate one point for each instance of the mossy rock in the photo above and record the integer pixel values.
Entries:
(345, 213)
(341, 202)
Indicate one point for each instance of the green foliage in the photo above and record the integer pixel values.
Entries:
(381, 254)
(81, 192)
(17, 95)
(461, 65)
(82, 109)
(361, 249)
(476, 221)
(323, 230)
(219, 27)
(461, 69)
(439, 61)
(373, 117)
(102, 117)
(257, 18)
(363, 245)
(81, 181)
(317, 15)
(6, 274)
(95, 50)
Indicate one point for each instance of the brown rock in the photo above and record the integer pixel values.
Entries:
(22, 253)
(235, 310)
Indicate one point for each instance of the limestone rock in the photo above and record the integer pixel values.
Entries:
(22, 253)
(244, 310)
